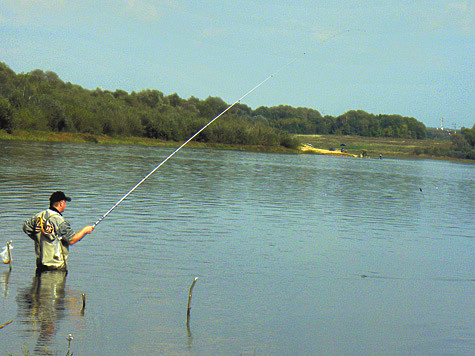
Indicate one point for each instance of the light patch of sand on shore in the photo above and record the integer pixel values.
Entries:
(320, 151)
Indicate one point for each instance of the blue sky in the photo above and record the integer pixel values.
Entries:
(413, 58)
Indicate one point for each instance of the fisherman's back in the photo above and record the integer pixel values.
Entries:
(51, 234)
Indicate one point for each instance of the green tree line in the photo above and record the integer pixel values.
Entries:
(40, 100)
(462, 145)
(353, 122)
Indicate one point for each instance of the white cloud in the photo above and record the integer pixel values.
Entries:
(462, 13)
(142, 10)
(455, 15)
(40, 3)
(29, 12)
(149, 11)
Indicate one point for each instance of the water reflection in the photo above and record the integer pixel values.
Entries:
(42, 307)
(351, 252)
(189, 335)
(4, 281)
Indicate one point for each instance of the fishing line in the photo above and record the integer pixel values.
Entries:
(293, 60)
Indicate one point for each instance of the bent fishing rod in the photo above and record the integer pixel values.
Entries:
(205, 126)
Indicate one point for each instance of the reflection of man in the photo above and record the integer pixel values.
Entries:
(43, 304)
(52, 234)
(4, 280)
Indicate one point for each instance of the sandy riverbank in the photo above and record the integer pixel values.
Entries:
(320, 151)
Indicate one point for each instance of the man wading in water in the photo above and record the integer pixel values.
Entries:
(52, 234)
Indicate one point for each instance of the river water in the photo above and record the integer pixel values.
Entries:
(294, 254)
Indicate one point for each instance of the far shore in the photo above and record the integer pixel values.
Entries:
(344, 146)
(373, 147)
(40, 136)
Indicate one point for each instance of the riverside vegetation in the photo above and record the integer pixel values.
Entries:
(39, 105)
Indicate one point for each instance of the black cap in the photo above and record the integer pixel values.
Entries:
(58, 196)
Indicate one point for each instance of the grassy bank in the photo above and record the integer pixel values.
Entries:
(354, 145)
(374, 146)
(107, 140)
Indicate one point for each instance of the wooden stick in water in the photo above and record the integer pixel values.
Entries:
(9, 256)
(3, 325)
(189, 300)
(83, 302)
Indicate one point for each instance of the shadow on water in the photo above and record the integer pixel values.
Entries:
(4, 281)
(41, 308)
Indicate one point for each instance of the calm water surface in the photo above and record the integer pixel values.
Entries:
(295, 255)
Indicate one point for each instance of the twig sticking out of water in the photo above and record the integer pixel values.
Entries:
(189, 301)
(83, 303)
(3, 325)
(9, 255)
(69, 338)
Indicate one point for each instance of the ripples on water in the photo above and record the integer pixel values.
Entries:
(294, 254)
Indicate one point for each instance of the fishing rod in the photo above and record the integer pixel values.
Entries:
(205, 126)
(183, 145)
